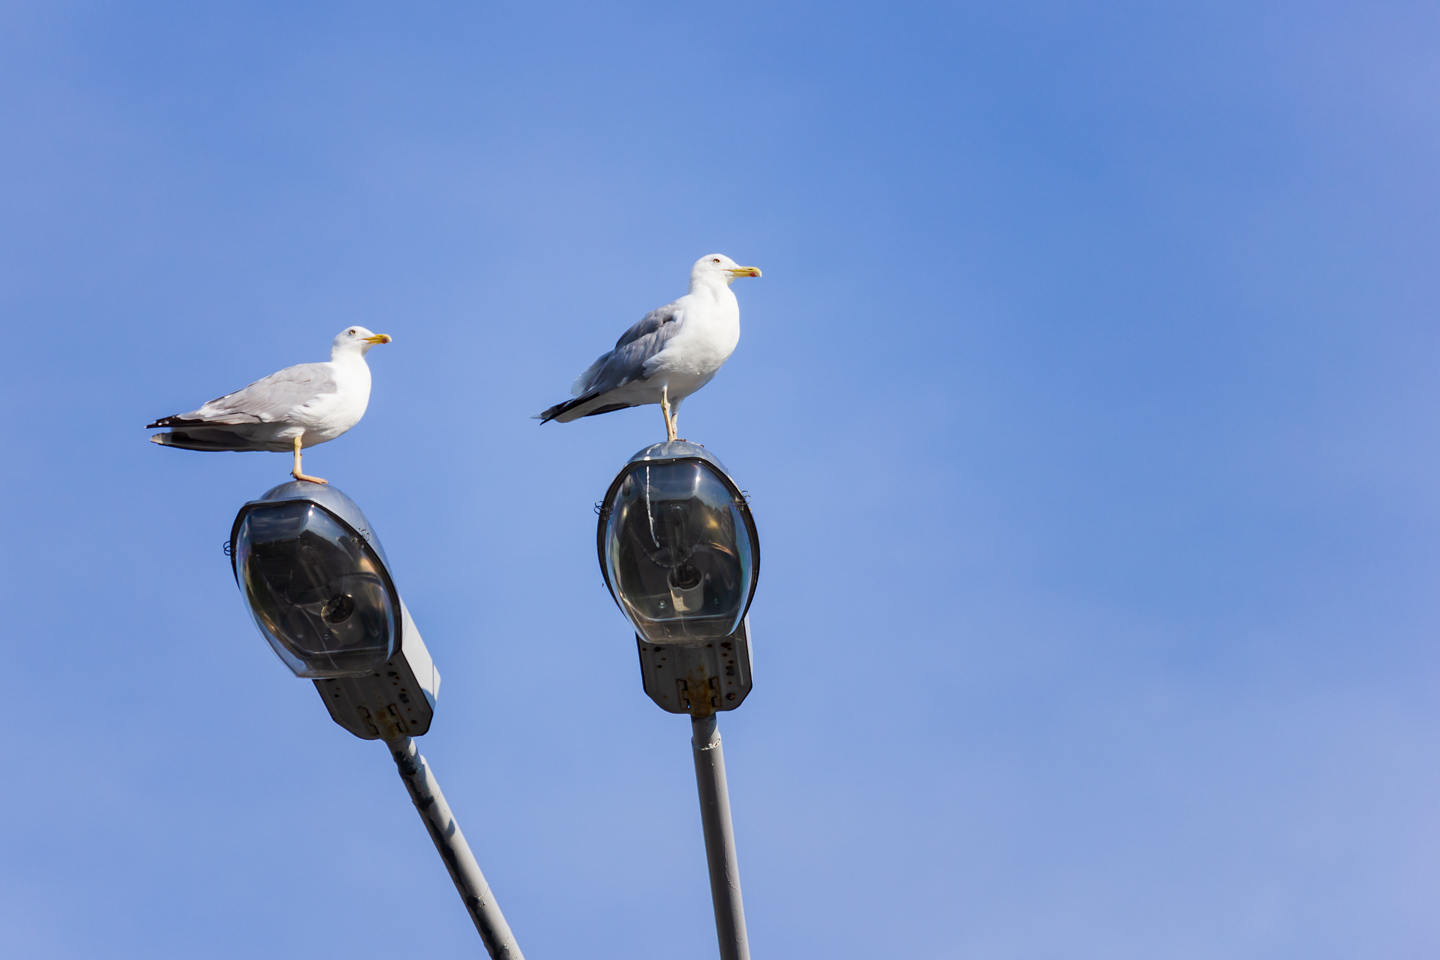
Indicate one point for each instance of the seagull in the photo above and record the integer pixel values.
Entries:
(672, 352)
(299, 406)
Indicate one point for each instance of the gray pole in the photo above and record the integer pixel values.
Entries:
(719, 839)
(425, 792)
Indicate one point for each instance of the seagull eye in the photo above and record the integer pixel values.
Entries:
(351, 331)
(714, 259)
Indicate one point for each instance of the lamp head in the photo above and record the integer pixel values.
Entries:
(315, 580)
(678, 545)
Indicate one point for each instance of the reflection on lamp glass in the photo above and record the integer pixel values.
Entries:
(679, 553)
(316, 589)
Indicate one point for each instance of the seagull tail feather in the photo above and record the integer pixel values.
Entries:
(579, 407)
(210, 440)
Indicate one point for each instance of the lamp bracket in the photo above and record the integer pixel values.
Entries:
(698, 679)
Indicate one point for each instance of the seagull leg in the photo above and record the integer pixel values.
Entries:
(665, 409)
(296, 471)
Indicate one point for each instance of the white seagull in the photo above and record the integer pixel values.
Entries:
(299, 406)
(669, 354)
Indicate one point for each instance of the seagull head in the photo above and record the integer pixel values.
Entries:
(717, 266)
(356, 340)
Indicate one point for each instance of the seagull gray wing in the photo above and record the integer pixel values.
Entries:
(630, 359)
(267, 400)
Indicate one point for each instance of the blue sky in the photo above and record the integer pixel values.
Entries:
(1085, 408)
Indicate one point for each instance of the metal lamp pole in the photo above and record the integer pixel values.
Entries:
(450, 842)
(719, 838)
(319, 588)
(679, 551)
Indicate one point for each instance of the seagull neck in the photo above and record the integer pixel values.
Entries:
(712, 287)
(346, 354)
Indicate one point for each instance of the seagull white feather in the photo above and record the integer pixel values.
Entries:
(297, 407)
(672, 352)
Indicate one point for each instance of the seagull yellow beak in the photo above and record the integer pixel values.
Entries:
(378, 338)
(743, 272)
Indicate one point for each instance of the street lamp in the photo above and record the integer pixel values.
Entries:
(680, 554)
(318, 586)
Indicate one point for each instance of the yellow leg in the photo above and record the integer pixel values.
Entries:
(665, 409)
(296, 473)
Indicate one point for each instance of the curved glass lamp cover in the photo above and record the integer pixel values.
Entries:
(679, 549)
(317, 589)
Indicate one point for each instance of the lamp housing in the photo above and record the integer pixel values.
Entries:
(317, 584)
(316, 581)
(678, 546)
